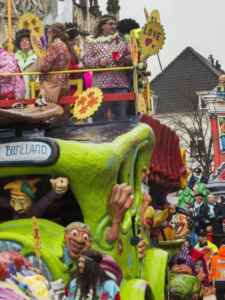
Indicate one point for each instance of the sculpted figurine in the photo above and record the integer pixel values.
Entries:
(152, 220)
(77, 240)
(23, 204)
(181, 225)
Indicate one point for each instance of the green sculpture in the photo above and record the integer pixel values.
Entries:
(93, 169)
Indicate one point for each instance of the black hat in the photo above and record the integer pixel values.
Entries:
(71, 31)
(126, 25)
(23, 33)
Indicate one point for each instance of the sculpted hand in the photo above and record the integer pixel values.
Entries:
(120, 201)
(60, 185)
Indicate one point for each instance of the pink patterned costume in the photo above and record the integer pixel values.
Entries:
(10, 86)
(115, 52)
(96, 49)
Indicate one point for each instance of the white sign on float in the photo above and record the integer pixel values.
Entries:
(35, 151)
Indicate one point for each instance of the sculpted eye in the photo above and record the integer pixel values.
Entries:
(86, 237)
(74, 232)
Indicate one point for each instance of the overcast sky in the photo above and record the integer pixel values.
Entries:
(196, 23)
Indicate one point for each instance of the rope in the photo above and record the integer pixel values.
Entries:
(112, 69)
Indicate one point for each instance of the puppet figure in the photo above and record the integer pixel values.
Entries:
(23, 202)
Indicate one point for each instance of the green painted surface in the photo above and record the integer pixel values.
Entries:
(52, 236)
(133, 289)
(93, 169)
(154, 271)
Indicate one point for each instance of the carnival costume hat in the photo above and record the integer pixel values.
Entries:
(200, 189)
(21, 187)
(23, 33)
(71, 31)
(126, 25)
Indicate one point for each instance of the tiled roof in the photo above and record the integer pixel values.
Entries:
(204, 60)
(177, 84)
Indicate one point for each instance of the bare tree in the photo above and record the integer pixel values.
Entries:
(194, 132)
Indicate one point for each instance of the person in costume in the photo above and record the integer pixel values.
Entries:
(91, 282)
(11, 87)
(73, 36)
(22, 203)
(108, 49)
(25, 55)
(218, 272)
(204, 244)
(57, 58)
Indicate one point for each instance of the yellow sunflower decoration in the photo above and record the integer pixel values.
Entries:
(31, 22)
(87, 103)
(36, 27)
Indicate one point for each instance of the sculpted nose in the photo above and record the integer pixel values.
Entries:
(79, 239)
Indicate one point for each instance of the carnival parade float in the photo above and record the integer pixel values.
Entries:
(69, 183)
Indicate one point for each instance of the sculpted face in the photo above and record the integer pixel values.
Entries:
(77, 240)
(20, 203)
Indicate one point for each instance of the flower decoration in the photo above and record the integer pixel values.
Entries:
(87, 103)
(116, 56)
(31, 22)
